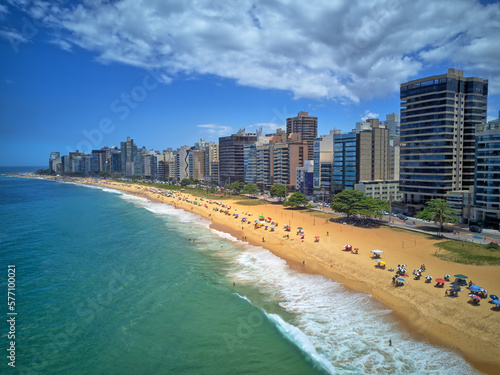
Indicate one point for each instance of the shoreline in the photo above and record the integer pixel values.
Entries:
(453, 325)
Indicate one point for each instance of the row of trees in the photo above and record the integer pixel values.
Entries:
(349, 202)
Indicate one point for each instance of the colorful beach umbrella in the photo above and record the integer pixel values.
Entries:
(316, 236)
(400, 279)
(382, 263)
(441, 281)
(428, 277)
(347, 245)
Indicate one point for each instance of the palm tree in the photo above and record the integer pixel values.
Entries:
(440, 212)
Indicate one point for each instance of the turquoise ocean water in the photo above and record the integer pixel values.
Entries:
(108, 283)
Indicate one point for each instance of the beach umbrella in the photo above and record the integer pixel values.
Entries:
(475, 288)
(484, 290)
(477, 298)
(261, 217)
(272, 227)
(382, 263)
(460, 276)
(268, 218)
(447, 275)
(302, 234)
(472, 295)
(347, 245)
(400, 279)
(493, 297)
(428, 277)
(377, 251)
(496, 302)
(440, 281)
(256, 221)
(419, 270)
(299, 228)
(378, 260)
(316, 236)
(404, 265)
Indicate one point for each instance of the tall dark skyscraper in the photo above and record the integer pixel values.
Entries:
(231, 156)
(439, 115)
(307, 127)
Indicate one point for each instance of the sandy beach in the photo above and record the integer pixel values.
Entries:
(421, 307)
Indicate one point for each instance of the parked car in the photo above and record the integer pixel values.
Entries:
(385, 212)
(475, 229)
(402, 217)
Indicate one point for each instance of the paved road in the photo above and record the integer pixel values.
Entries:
(488, 235)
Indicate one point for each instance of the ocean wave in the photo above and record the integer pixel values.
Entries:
(350, 329)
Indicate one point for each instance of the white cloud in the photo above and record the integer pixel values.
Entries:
(215, 130)
(267, 127)
(369, 114)
(325, 49)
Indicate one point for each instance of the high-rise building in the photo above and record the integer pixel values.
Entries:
(344, 161)
(439, 115)
(487, 182)
(372, 152)
(392, 123)
(128, 152)
(231, 156)
(307, 127)
(323, 162)
(305, 177)
(55, 163)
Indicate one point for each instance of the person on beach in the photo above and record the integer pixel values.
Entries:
(303, 262)
(393, 279)
(263, 239)
(390, 342)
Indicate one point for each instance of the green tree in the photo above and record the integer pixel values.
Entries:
(346, 201)
(250, 188)
(279, 191)
(236, 187)
(297, 199)
(45, 172)
(440, 212)
(104, 174)
(369, 207)
(186, 181)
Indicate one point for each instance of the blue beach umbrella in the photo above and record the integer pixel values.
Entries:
(475, 288)
(496, 302)
(400, 279)
(493, 297)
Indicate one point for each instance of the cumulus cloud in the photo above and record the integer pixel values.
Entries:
(369, 114)
(322, 49)
(215, 130)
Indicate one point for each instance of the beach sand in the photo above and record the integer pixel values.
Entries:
(421, 308)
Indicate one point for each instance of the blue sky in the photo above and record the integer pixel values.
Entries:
(87, 74)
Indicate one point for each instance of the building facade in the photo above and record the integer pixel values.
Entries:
(487, 182)
(372, 152)
(439, 115)
(307, 127)
(344, 162)
(232, 156)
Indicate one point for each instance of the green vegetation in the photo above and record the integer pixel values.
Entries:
(279, 191)
(236, 187)
(353, 202)
(250, 189)
(470, 253)
(45, 172)
(296, 200)
(440, 212)
(251, 202)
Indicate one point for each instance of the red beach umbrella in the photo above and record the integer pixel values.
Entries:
(347, 245)
(440, 281)
(316, 237)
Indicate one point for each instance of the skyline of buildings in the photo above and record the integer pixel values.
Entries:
(434, 156)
